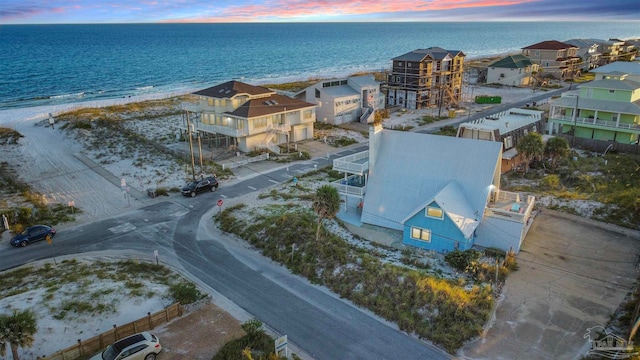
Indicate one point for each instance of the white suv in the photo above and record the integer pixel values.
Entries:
(142, 346)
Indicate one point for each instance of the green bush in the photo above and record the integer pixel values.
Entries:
(461, 260)
(185, 293)
(259, 344)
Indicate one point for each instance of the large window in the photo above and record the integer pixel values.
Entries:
(421, 234)
(259, 123)
(434, 212)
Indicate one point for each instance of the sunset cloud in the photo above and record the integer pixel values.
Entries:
(113, 11)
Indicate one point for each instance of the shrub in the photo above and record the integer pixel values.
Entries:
(461, 260)
(185, 293)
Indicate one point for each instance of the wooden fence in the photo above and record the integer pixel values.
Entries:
(86, 348)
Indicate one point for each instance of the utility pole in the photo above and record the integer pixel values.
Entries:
(575, 121)
(193, 166)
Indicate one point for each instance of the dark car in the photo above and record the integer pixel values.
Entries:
(195, 187)
(33, 234)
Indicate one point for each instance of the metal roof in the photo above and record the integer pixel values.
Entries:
(452, 201)
(600, 105)
(411, 168)
(611, 84)
(505, 121)
(627, 67)
(512, 62)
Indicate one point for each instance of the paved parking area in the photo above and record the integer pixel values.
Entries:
(572, 275)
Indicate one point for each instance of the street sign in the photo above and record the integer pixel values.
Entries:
(281, 346)
(123, 182)
(220, 202)
(48, 237)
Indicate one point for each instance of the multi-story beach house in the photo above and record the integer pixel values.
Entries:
(606, 109)
(426, 78)
(432, 192)
(506, 127)
(345, 100)
(246, 117)
(587, 51)
(555, 58)
(512, 70)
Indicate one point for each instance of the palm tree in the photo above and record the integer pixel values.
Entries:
(531, 146)
(326, 204)
(17, 329)
(557, 148)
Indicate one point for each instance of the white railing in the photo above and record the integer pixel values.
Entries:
(191, 107)
(350, 164)
(508, 196)
(279, 127)
(345, 189)
(225, 130)
(606, 123)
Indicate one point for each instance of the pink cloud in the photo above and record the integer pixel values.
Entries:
(287, 9)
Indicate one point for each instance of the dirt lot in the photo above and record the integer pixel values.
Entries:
(198, 335)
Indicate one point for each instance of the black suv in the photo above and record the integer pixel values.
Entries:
(195, 187)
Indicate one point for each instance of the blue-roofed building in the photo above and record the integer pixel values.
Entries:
(439, 193)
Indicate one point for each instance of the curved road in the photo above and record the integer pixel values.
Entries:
(317, 321)
(314, 319)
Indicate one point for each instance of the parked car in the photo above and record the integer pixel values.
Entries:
(33, 234)
(141, 346)
(195, 187)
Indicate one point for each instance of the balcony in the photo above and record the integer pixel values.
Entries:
(596, 123)
(353, 164)
(219, 129)
(353, 185)
(509, 205)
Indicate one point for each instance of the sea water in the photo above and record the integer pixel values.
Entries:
(58, 64)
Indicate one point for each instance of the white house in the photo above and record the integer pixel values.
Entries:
(513, 70)
(345, 100)
(247, 117)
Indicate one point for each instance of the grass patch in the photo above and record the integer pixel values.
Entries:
(445, 312)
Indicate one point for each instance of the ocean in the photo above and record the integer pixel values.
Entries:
(58, 64)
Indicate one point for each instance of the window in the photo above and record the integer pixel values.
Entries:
(508, 142)
(259, 123)
(435, 212)
(307, 114)
(421, 234)
(399, 63)
(611, 91)
(317, 93)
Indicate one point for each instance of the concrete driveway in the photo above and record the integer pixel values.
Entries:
(572, 275)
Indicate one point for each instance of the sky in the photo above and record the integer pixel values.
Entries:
(218, 11)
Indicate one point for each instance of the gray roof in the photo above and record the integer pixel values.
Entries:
(340, 91)
(363, 81)
(627, 67)
(600, 105)
(411, 169)
(452, 201)
(434, 52)
(581, 43)
(628, 85)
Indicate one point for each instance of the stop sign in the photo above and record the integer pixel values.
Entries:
(220, 202)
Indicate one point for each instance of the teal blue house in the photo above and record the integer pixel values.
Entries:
(437, 193)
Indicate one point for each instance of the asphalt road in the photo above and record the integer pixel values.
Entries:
(317, 321)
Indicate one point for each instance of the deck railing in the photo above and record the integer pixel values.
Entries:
(352, 164)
